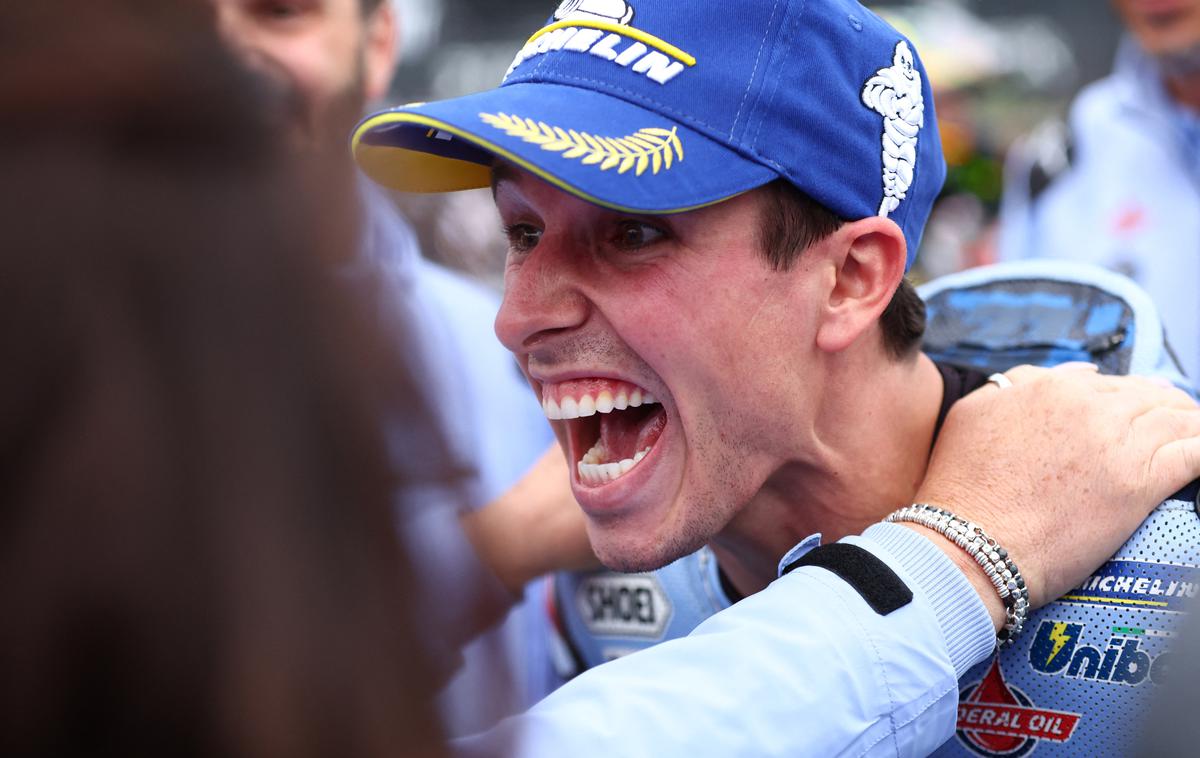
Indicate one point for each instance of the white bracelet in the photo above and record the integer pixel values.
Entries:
(985, 551)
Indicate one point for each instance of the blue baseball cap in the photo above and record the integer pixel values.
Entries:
(661, 106)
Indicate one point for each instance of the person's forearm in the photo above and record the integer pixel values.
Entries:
(491, 537)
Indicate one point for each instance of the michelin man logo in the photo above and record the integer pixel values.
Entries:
(895, 93)
(612, 11)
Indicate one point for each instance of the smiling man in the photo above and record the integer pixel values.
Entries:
(694, 381)
(710, 212)
(669, 346)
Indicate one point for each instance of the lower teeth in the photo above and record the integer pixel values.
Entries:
(594, 472)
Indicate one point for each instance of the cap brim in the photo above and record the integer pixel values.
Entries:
(598, 147)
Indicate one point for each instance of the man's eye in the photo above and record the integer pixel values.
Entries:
(522, 237)
(637, 234)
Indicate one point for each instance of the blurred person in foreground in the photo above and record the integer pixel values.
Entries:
(709, 228)
(200, 552)
(197, 557)
(1121, 188)
(331, 58)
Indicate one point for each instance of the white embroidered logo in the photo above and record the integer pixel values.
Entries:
(613, 11)
(604, 28)
(895, 93)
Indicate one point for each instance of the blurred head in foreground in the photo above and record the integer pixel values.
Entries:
(198, 555)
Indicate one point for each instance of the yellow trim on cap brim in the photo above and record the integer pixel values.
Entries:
(435, 173)
(628, 31)
(416, 171)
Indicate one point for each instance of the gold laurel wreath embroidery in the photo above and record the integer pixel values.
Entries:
(652, 147)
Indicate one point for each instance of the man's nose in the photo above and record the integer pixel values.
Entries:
(542, 299)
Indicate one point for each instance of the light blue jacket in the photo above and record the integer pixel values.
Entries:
(803, 668)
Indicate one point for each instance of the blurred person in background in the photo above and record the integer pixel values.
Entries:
(331, 58)
(1123, 188)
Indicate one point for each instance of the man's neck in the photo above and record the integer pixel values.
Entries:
(866, 456)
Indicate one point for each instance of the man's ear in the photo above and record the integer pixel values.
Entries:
(379, 51)
(869, 257)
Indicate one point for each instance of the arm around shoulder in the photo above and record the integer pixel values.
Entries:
(805, 667)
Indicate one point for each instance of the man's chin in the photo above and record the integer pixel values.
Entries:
(631, 553)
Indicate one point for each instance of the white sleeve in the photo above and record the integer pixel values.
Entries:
(804, 667)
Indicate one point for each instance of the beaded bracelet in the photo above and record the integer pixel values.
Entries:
(992, 558)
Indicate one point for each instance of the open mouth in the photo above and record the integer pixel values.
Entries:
(612, 424)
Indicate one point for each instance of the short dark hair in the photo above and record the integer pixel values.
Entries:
(792, 221)
(369, 6)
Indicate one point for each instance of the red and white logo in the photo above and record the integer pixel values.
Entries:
(996, 719)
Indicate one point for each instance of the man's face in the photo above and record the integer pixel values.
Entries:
(328, 55)
(1162, 27)
(604, 308)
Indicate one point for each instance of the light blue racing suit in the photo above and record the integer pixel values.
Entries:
(1075, 681)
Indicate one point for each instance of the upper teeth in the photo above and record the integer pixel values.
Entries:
(590, 405)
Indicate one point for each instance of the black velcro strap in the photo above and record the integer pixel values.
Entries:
(870, 577)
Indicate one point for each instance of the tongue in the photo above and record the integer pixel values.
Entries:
(624, 433)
